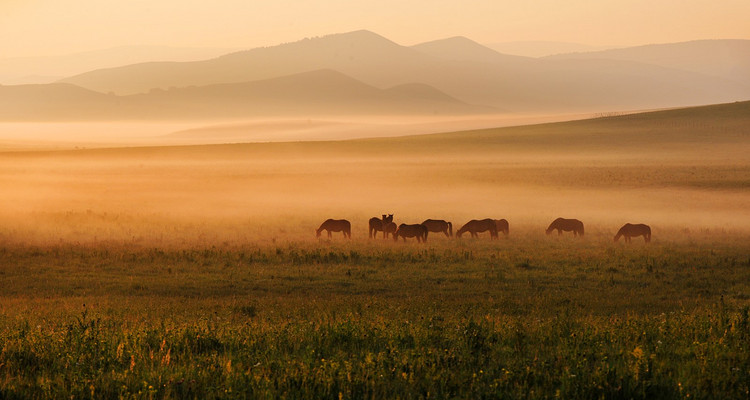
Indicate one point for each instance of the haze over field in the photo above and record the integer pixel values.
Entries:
(678, 169)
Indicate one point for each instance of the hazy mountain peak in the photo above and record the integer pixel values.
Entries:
(360, 38)
(463, 49)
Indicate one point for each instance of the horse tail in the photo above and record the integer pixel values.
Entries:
(450, 229)
(581, 229)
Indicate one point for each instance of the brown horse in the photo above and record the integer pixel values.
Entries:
(567, 225)
(376, 225)
(418, 231)
(502, 226)
(390, 228)
(335, 225)
(634, 230)
(481, 225)
(439, 225)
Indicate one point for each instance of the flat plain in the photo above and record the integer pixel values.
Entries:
(194, 271)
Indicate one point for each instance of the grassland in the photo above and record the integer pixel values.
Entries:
(194, 271)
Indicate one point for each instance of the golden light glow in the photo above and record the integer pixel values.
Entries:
(43, 27)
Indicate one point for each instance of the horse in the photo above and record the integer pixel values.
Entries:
(502, 226)
(439, 225)
(567, 225)
(376, 225)
(481, 225)
(634, 230)
(418, 231)
(335, 225)
(390, 228)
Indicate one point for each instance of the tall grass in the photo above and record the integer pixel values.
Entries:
(524, 317)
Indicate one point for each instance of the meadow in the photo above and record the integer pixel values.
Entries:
(194, 271)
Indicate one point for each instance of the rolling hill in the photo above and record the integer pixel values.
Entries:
(457, 66)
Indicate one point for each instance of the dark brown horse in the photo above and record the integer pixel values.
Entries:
(479, 225)
(567, 225)
(418, 231)
(634, 230)
(502, 226)
(390, 228)
(335, 225)
(376, 225)
(439, 225)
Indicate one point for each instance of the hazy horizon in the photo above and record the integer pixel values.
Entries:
(46, 28)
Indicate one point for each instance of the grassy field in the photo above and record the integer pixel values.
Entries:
(195, 272)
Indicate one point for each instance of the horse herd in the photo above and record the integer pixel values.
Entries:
(386, 225)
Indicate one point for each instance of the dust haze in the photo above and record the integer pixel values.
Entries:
(276, 192)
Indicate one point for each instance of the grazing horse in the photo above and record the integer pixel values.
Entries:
(567, 225)
(418, 231)
(439, 225)
(390, 228)
(481, 225)
(335, 225)
(376, 225)
(502, 226)
(634, 230)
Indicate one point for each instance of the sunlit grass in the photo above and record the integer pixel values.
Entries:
(530, 316)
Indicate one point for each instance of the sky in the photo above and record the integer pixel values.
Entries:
(56, 27)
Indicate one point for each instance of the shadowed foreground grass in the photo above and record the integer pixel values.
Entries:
(522, 317)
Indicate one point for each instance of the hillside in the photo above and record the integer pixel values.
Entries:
(717, 132)
(457, 66)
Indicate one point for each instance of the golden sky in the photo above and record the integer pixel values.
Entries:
(47, 27)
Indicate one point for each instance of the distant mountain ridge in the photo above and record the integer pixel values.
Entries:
(541, 48)
(47, 69)
(458, 67)
(317, 92)
(727, 59)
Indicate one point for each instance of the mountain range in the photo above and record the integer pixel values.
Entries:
(363, 72)
(320, 92)
(48, 69)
